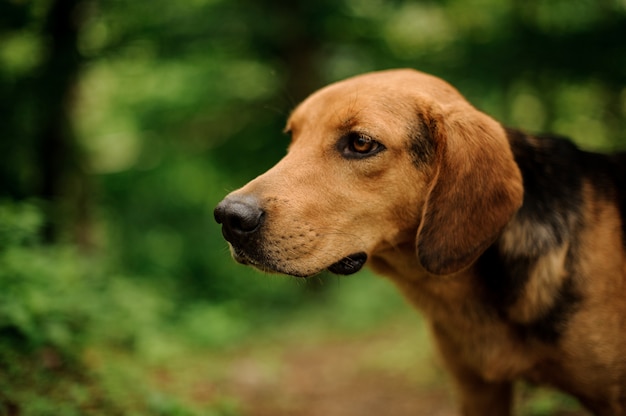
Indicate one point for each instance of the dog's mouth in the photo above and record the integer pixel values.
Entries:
(349, 265)
(346, 266)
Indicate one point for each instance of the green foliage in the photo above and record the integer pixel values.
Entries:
(56, 304)
(24, 307)
(46, 314)
(54, 297)
(19, 224)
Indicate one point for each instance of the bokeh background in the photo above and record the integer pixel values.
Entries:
(123, 123)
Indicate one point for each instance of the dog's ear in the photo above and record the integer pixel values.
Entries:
(476, 189)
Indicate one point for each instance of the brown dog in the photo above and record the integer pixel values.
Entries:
(512, 246)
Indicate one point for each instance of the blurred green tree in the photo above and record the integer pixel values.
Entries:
(41, 154)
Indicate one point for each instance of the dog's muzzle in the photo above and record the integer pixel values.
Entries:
(242, 219)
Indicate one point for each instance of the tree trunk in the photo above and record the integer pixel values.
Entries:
(62, 181)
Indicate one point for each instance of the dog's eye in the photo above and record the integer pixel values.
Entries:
(361, 144)
(356, 145)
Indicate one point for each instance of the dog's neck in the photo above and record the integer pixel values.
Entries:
(525, 270)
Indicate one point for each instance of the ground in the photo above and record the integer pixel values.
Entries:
(332, 380)
(389, 371)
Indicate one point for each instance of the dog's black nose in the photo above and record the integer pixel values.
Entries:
(240, 216)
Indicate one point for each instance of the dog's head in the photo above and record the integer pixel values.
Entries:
(378, 161)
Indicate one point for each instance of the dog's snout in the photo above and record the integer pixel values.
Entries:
(240, 216)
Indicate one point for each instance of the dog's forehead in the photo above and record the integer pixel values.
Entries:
(372, 96)
(347, 102)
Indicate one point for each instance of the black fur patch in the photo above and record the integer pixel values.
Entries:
(608, 174)
(550, 167)
(504, 278)
(552, 175)
(421, 142)
(619, 176)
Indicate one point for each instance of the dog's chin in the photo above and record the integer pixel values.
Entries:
(346, 266)
(242, 257)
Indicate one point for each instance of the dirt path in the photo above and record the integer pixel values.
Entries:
(391, 373)
(332, 380)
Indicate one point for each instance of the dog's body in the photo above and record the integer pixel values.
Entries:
(513, 246)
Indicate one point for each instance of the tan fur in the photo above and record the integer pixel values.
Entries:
(546, 278)
(424, 227)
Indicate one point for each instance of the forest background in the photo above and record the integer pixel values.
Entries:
(123, 123)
